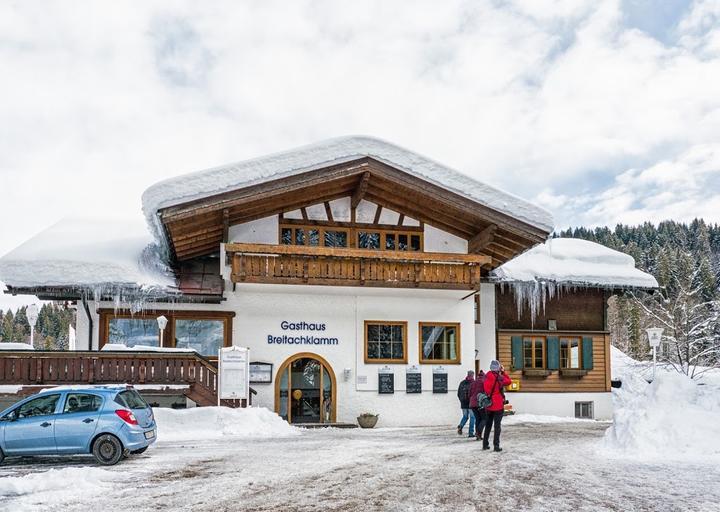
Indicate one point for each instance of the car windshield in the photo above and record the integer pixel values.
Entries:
(131, 399)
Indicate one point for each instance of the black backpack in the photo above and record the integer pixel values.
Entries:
(464, 391)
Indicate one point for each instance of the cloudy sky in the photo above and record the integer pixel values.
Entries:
(601, 111)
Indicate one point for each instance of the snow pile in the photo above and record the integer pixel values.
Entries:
(91, 253)
(55, 483)
(572, 261)
(517, 419)
(144, 348)
(6, 345)
(201, 423)
(672, 418)
(332, 152)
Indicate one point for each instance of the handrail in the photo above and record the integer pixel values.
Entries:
(333, 252)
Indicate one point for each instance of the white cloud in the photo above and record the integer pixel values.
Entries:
(100, 100)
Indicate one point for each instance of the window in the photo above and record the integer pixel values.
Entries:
(133, 331)
(585, 410)
(390, 240)
(40, 406)
(385, 342)
(368, 240)
(82, 402)
(534, 352)
(440, 343)
(570, 353)
(204, 336)
(313, 236)
(203, 331)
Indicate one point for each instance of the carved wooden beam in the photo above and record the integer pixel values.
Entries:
(482, 239)
(328, 211)
(226, 226)
(378, 212)
(360, 190)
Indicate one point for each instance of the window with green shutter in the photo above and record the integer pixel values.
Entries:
(587, 353)
(553, 353)
(517, 352)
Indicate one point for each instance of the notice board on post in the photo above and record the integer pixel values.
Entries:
(233, 373)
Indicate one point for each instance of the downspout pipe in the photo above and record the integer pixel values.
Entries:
(90, 323)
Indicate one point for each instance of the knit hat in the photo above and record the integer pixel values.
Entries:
(494, 365)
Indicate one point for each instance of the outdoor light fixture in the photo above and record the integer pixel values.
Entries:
(654, 338)
(162, 323)
(32, 316)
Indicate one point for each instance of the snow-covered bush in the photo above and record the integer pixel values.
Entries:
(672, 418)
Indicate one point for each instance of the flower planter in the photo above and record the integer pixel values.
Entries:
(368, 421)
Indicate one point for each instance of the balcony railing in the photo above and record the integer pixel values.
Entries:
(289, 264)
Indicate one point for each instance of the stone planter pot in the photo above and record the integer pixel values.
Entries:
(367, 421)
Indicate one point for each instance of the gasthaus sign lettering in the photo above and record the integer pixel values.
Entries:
(302, 333)
(234, 373)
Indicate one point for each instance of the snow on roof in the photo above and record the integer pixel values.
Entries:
(87, 253)
(574, 261)
(214, 181)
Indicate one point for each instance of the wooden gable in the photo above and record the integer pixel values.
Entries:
(198, 227)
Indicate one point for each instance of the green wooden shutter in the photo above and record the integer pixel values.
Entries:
(587, 353)
(517, 353)
(553, 353)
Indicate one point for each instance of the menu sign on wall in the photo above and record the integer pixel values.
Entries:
(413, 380)
(386, 381)
(440, 380)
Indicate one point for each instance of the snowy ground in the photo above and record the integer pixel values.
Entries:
(545, 466)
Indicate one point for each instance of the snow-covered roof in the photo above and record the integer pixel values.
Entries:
(87, 253)
(573, 261)
(215, 181)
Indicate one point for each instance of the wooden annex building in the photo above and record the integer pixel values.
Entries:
(361, 276)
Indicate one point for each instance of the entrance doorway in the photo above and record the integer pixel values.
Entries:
(305, 390)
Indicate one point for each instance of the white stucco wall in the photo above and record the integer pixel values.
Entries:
(560, 404)
(485, 331)
(260, 231)
(437, 240)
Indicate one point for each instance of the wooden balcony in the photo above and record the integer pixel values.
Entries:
(289, 264)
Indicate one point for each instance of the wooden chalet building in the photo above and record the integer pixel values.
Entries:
(363, 278)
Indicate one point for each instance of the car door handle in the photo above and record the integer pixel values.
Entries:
(88, 420)
(45, 424)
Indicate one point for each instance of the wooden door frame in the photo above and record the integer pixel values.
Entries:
(333, 390)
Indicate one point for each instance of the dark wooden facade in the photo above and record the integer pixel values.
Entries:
(579, 315)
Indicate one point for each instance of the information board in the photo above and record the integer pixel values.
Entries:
(233, 373)
(413, 382)
(260, 373)
(440, 381)
(386, 383)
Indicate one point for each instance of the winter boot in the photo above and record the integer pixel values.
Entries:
(459, 431)
(496, 449)
(486, 446)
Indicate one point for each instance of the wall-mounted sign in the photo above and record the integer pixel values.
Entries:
(413, 382)
(362, 379)
(386, 381)
(260, 373)
(440, 380)
(302, 333)
(233, 373)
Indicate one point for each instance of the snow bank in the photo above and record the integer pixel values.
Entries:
(572, 261)
(672, 418)
(144, 348)
(331, 152)
(201, 423)
(15, 346)
(517, 419)
(56, 482)
(87, 253)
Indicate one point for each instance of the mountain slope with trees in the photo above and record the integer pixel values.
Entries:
(685, 259)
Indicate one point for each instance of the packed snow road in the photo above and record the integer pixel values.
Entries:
(554, 466)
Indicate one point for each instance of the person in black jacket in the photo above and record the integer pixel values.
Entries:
(463, 394)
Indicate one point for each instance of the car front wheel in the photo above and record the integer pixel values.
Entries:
(107, 450)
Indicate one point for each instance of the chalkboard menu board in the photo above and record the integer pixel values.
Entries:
(413, 382)
(386, 383)
(440, 382)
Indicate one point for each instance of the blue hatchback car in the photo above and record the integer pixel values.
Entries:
(108, 421)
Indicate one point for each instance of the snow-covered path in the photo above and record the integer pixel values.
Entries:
(544, 467)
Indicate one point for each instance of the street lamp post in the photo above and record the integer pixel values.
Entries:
(654, 338)
(32, 316)
(162, 323)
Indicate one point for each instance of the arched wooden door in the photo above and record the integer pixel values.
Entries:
(305, 390)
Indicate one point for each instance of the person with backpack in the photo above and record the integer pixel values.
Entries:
(495, 381)
(475, 389)
(463, 395)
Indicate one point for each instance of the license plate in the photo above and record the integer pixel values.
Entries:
(149, 434)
